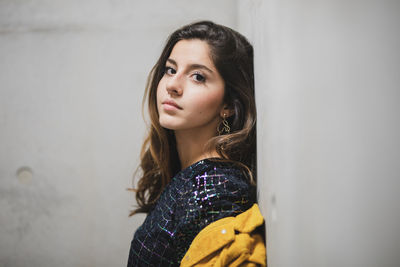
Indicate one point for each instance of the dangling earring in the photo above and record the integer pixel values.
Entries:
(223, 127)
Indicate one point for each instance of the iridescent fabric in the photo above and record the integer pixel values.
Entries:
(198, 195)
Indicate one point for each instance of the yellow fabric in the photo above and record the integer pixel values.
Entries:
(219, 245)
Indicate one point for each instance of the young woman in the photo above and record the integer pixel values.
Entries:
(198, 161)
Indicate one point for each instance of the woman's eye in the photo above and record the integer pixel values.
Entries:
(199, 78)
(169, 70)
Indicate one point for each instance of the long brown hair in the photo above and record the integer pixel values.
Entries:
(232, 55)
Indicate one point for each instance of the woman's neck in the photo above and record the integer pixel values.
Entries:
(191, 147)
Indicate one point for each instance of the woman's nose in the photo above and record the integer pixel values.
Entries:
(174, 85)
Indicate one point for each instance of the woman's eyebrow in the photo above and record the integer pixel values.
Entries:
(192, 66)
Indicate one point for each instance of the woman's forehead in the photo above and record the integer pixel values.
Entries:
(192, 51)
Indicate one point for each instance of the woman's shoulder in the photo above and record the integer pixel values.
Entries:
(212, 190)
(210, 181)
(214, 170)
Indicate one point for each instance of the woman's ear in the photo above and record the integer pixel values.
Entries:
(226, 111)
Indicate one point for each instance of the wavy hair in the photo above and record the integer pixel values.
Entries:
(232, 55)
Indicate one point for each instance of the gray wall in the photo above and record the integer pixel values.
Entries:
(328, 88)
(72, 76)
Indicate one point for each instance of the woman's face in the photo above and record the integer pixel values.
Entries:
(191, 92)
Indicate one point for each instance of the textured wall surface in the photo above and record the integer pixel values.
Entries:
(72, 76)
(327, 88)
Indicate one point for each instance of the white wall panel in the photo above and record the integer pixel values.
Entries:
(327, 88)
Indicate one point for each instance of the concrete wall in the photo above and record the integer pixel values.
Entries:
(72, 76)
(328, 88)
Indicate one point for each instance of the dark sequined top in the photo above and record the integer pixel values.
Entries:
(198, 195)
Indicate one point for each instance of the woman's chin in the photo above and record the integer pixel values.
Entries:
(169, 125)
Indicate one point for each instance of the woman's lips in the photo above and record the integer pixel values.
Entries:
(170, 105)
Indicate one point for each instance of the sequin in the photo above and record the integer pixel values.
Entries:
(197, 196)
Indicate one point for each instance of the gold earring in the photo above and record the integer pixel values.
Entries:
(223, 127)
